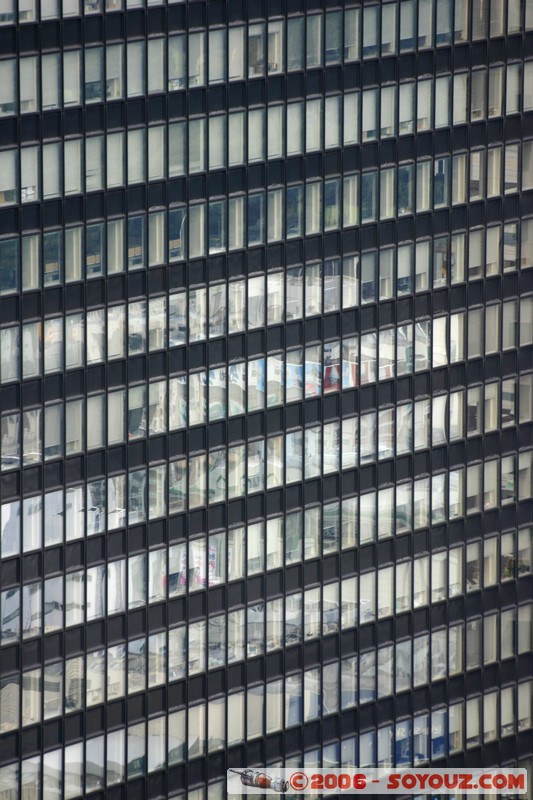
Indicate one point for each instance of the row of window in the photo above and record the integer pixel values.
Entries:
(80, 424)
(140, 154)
(329, 39)
(227, 140)
(219, 392)
(69, 255)
(80, 339)
(142, 494)
(161, 575)
(408, 347)
(31, 10)
(162, 740)
(329, 448)
(85, 681)
(56, 80)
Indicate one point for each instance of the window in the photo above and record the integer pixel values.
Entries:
(314, 41)
(256, 50)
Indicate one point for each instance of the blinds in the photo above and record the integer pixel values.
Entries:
(93, 67)
(512, 104)
(217, 142)
(217, 56)
(425, 22)
(28, 84)
(51, 170)
(115, 159)
(424, 105)
(275, 215)
(236, 138)
(71, 77)
(136, 155)
(26, 10)
(313, 125)
(6, 11)
(490, 715)
(333, 117)
(196, 59)
(444, 21)
(135, 68)
(460, 93)
(29, 174)
(388, 110)
(156, 152)
(196, 230)
(156, 69)
(236, 223)
(407, 20)
(369, 113)
(442, 102)
(256, 144)
(177, 141)
(236, 53)
(176, 62)
(405, 258)
(407, 97)
(255, 542)
(115, 71)
(7, 86)
(50, 80)
(473, 717)
(370, 26)
(94, 162)
(294, 128)
(53, 424)
(351, 118)
(8, 183)
(275, 131)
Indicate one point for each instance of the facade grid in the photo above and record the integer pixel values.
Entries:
(266, 390)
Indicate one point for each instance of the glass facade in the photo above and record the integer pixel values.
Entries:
(266, 390)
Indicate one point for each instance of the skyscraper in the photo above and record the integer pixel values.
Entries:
(266, 390)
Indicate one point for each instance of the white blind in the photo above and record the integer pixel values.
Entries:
(73, 162)
(135, 68)
(93, 64)
(388, 108)
(217, 56)
(236, 138)
(7, 82)
(136, 156)
(7, 171)
(275, 131)
(404, 261)
(51, 170)
(370, 25)
(29, 171)
(294, 128)
(256, 135)
(313, 125)
(407, 20)
(217, 142)
(71, 77)
(28, 83)
(236, 53)
(50, 80)
(370, 110)
(406, 102)
(460, 92)
(351, 118)
(425, 21)
(115, 159)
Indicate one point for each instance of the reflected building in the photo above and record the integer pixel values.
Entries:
(266, 390)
